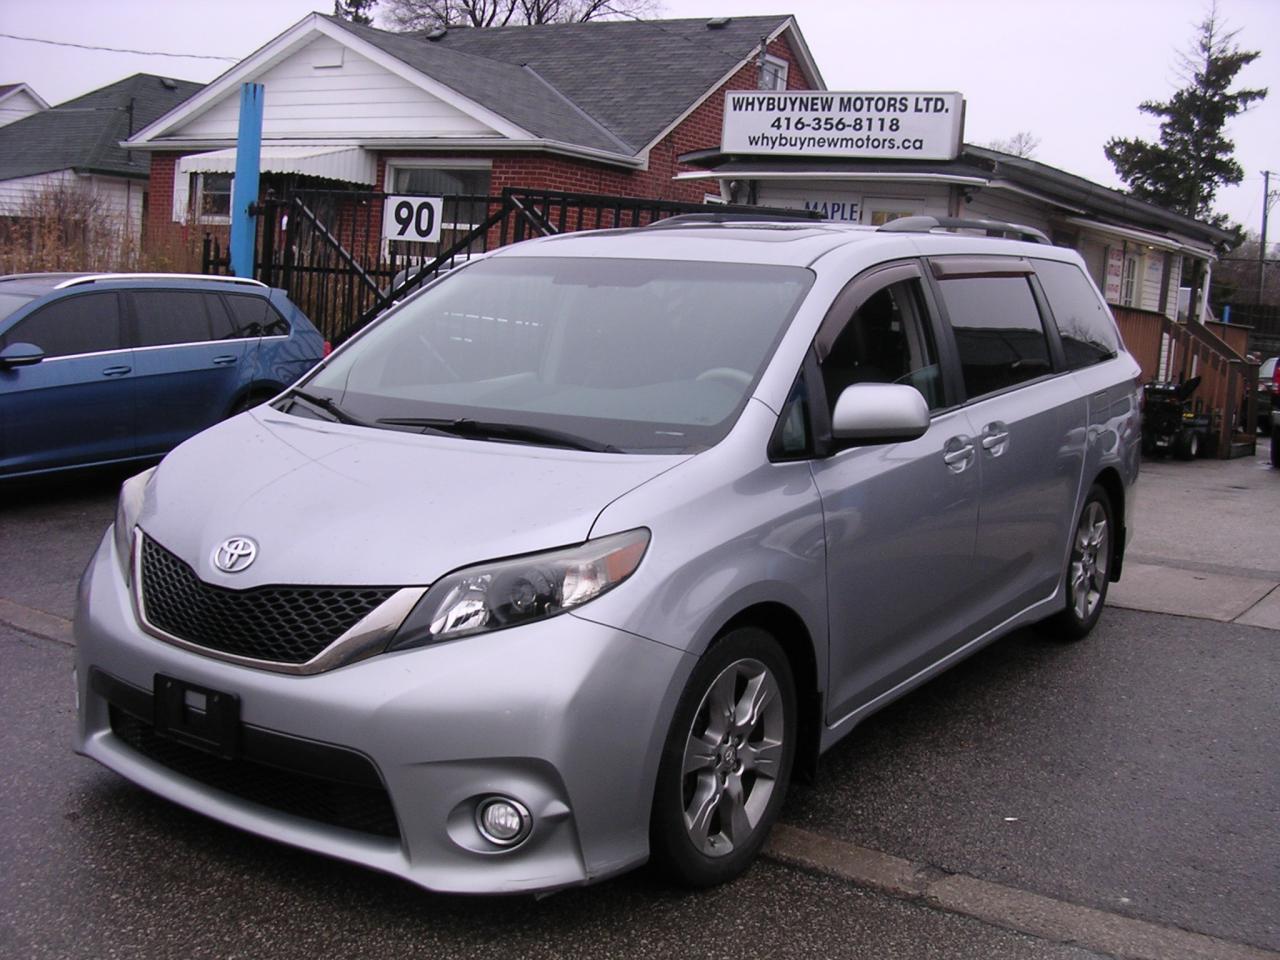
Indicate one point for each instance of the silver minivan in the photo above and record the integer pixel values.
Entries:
(568, 561)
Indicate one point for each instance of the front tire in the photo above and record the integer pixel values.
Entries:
(1088, 569)
(727, 760)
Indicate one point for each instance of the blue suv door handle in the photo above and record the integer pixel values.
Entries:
(119, 371)
(225, 359)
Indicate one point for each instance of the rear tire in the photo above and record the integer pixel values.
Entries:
(1275, 448)
(1088, 569)
(727, 760)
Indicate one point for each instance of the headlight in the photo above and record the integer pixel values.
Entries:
(127, 509)
(510, 592)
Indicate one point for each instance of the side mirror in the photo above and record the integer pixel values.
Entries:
(20, 355)
(868, 413)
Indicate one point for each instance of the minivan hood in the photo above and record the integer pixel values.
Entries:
(334, 504)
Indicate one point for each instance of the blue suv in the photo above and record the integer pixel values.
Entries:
(105, 368)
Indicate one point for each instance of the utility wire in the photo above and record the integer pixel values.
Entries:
(145, 53)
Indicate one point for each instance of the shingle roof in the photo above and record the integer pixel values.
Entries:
(612, 85)
(84, 134)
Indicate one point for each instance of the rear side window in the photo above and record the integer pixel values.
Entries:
(999, 334)
(255, 317)
(166, 317)
(89, 323)
(1088, 335)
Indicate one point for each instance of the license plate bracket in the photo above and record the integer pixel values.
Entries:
(197, 716)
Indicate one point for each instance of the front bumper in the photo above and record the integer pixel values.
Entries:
(566, 716)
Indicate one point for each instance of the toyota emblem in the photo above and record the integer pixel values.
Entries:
(234, 554)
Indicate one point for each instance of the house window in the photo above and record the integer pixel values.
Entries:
(878, 211)
(1128, 281)
(464, 186)
(773, 73)
(213, 197)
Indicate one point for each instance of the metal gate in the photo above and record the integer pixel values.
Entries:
(326, 249)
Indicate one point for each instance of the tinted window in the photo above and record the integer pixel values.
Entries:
(999, 335)
(171, 316)
(10, 302)
(85, 324)
(885, 341)
(255, 317)
(1088, 335)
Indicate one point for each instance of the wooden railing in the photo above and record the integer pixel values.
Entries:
(1215, 353)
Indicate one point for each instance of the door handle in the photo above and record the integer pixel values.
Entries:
(116, 371)
(995, 438)
(225, 359)
(958, 454)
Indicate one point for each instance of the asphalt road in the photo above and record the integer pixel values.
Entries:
(1134, 773)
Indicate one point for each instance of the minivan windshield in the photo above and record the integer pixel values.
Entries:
(625, 355)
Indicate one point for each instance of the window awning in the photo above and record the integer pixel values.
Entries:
(351, 164)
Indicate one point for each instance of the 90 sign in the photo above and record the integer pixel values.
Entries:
(412, 218)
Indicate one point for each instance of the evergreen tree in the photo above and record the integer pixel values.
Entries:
(357, 11)
(1194, 157)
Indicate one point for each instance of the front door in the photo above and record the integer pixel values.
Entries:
(76, 405)
(900, 518)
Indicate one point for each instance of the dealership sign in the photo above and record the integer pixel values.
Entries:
(826, 123)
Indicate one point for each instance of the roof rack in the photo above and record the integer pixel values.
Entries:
(992, 228)
(99, 277)
(801, 216)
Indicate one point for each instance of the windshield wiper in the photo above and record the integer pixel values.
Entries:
(487, 430)
(329, 406)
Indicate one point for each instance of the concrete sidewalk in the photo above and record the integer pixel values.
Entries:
(1205, 541)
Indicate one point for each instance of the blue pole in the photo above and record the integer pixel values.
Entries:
(244, 191)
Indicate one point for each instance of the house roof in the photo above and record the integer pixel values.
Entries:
(633, 78)
(84, 134)
(603, 89)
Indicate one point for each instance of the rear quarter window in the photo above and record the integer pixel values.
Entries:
(255, 317)
(1088, 335)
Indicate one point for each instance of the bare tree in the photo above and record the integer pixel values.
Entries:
(1023, 144)
(431, 14)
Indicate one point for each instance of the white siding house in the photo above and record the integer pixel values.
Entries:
(17, 100)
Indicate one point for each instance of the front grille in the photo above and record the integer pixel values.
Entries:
(282, 624)
(347, 805)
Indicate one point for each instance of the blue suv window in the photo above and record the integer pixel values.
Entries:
(178, 316)
(255, 317)
(89, 323)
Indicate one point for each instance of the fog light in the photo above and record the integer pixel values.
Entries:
(503, 821)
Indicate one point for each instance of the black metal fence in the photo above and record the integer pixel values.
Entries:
(327, 249)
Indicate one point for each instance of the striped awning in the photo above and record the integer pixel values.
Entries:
(347, 163)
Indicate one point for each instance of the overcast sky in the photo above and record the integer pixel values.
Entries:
(1071, 72)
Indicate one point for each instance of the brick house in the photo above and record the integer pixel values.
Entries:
(600, 107)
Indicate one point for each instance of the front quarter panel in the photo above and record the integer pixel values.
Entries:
(729, 530)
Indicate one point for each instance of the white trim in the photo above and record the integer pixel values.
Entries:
(434, 144)
(777, 62)
(439, 163)
(25, 88)
(1156, 240)
(766, 174)
(285, 45)
(181, 211)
